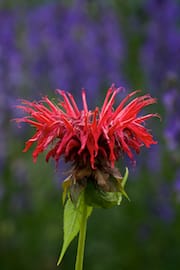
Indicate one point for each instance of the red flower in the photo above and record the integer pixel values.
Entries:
(88, 137)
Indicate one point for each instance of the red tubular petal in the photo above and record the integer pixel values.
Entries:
(84, 101)
(146, 117)
(77, 112)
(54, 109)
(134, 107)
(109, 92)
(123, 102)
(108, 108)
(71, 145)
(67, 105)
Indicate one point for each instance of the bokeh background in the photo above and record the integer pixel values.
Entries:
(46, 45)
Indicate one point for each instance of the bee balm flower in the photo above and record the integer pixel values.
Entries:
(93, 140)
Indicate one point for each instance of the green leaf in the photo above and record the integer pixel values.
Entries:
(72, 221)
(125, 177)
(123, 183)
(66, 185)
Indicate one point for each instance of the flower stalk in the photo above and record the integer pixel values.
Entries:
(81, 240)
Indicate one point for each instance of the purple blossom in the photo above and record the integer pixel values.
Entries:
(161, 62)
(55, 45)
(72, 48)
(172, 133)
(11, 67)
(171, 100)
(161, 50)
(172, 129)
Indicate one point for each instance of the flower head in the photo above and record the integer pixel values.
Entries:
(92, 140)
(88, 138)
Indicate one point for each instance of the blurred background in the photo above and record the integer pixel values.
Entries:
(46, 45)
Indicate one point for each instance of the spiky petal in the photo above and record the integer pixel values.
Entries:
(88, 138)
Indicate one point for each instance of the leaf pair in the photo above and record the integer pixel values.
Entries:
(73, 215)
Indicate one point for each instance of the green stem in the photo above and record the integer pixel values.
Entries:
(81, 240)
